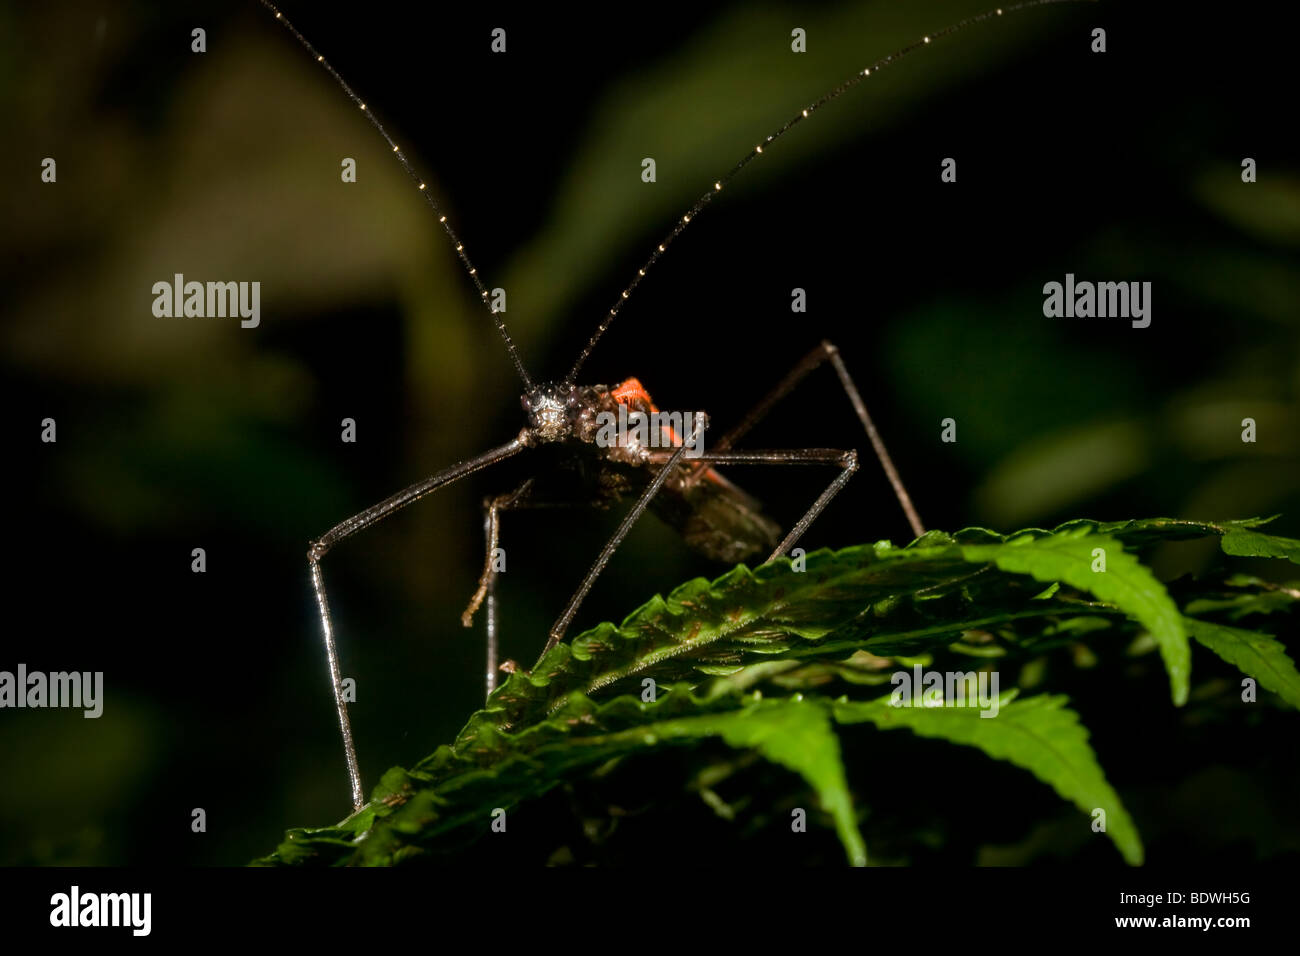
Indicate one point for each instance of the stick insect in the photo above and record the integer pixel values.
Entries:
(658, 468)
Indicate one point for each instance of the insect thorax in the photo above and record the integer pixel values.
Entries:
(582, 414)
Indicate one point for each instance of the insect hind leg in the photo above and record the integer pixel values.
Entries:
(827, 352)
(847, 461)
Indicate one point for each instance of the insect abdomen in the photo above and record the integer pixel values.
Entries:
(718, 520)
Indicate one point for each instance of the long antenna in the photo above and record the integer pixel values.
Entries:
(680, 225)
(421, 186)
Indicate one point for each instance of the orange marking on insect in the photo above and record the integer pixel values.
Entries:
(630, 390)
(633, 389)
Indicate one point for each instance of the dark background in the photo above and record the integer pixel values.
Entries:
(183, 433)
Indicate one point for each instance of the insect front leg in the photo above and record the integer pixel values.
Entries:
(345, 529)
(565, 619)
(825, 352)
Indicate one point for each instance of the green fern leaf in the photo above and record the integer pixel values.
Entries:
(1039, 734)
(1070, 557)
(1261, 656)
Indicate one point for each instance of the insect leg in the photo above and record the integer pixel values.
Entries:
(492, 508)
(345, 529)
(846, 460)
(827, 351)
(493, 639)
(562, 624)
